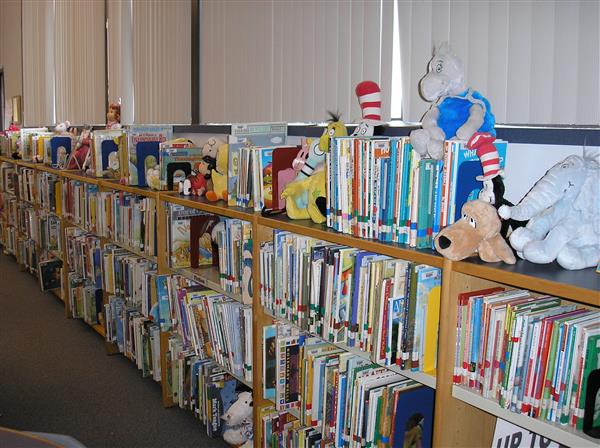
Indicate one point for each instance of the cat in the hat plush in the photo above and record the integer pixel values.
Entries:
(457, 111)
(493, 189)
(369, 98)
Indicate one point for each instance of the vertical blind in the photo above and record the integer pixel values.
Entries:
(10, 48)
(538, 62)
(149, 60)
(80, 77)
(38, 62)
(292, 60)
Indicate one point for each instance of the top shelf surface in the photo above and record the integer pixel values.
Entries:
(218, 208)
(581, 285)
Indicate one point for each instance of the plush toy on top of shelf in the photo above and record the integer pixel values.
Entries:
(305, 195)
(80, 157)
(478, 231)
(492, 178)
(563, 209)
(113, 116)
(457, 111)
(369, 99)
(219, 175)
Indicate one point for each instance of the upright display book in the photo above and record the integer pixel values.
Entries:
(250, 135)
(106, 145)
(282, 172)
(143, 133)
(50, 273)
(176, 164)
(60, 147)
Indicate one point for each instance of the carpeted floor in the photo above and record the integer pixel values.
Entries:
(55, 377)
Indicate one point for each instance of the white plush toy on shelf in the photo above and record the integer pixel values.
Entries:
(369, 99)
(238, 419)
(457, 111)
(563, 209)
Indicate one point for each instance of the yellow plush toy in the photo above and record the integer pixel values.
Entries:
(219, 176)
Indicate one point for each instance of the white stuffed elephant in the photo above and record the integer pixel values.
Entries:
(563, 209)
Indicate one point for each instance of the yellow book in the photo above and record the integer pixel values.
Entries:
(58, 197)
(431, 329)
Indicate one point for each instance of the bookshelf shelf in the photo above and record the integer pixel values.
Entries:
(115, 185)
(582, 286)
(208, 277)
(99, 329)
(426, 378)
(308, 228)
(152, 258)
(561, 434)
(200, 203)
(80, 176)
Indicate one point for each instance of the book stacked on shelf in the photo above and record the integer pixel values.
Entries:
(279, 429)
(25, 184)
(48, 188)
(197, 239)
(202, 387)
(142, 151)
(247, 159)
(342, 399)
(106, 145)
(380, 188)
(7, 177)
(9, 143)
(27, 147)
(47, 232)
(385, 307)
(131, 314)
(85, 275)
(79, 203)
(531, 355)
(128, 219)
(211, 325)
(26, 254)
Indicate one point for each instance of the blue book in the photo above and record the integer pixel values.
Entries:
(60, 148)
(466, 167)
(413, 417)
(143, 150)
(164, 306)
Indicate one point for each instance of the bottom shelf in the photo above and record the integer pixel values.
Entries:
(99, 329)
(564, 435)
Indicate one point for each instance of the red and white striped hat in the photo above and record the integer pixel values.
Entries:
(369, 98)
(483, 143)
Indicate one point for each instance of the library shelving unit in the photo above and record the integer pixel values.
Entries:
(462, 418)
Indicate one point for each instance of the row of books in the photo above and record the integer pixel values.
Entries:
(7, 177)
(9, 238)
(48, 188)
(386, 307)
(79, 203)
(24, 187)
(533, 355)
(342, 399)
(197, 239)
(211, 325)
(128, 219)
(201, 386)
(380, 188)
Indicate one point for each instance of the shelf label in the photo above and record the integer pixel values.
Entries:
(508, 435)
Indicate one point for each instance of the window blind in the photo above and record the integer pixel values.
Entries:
(38, 62)
(292, 61)
(538, 62)
(10, 48)
(79, 52)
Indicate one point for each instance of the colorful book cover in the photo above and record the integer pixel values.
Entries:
(176, 164)
(146, 158)
(413, 417)
(466, 167)
(269, 362)
(60, 148)
(143, 133)
(249, 135)
(283, 173)
(50, 274)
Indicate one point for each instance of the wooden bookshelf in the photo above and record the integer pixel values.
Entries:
(462, 418)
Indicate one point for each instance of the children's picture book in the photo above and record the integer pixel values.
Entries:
(249, 135)
(106, 152)
(60, 147)
(50, 273)
(282, 173)
(413, 420)
(146, 157)
(142, 133)
(176, 164)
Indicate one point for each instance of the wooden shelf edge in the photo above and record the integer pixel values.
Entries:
(308, 228)
(564, 435)
(114, 184)
(539, 284)
(99, 329)
(217, 208)
(195, 275)
(80, 176)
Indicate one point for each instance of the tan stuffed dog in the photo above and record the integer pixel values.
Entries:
(478, 231)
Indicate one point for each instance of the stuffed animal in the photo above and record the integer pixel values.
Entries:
(493, 189)
(152, 177)
(305, 195)
(238, 419)
(369, 98)
(219, 176)
(113, 116)
(478, 231)
(563, 209)
(457, 111)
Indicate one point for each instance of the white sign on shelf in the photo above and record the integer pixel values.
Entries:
(508, 435)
